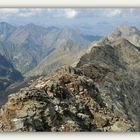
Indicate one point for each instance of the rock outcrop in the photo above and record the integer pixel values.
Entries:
(67, 101)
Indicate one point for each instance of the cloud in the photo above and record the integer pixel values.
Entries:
(61, 12)
(25, 14)
(131, 10)
(71, 13)
(20, 12)
(29, 12)
(7, 12)
(113, 12)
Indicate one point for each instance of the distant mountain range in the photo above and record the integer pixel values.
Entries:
(26, 46)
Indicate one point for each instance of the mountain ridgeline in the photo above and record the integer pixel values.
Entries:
(97, 91)
(26, 46)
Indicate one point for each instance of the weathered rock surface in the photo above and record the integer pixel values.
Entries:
(66, 101)
(115, 67)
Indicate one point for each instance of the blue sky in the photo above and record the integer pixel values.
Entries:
(98, 21)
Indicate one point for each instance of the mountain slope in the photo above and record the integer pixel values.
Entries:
(69, 45)
(116, 70)
(27, 43)
(22, 33)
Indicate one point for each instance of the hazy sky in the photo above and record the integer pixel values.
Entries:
(90, 20)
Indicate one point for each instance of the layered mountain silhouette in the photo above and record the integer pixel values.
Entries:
(26, 46)
(98, 92)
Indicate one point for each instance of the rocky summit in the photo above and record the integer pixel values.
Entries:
(67, 101)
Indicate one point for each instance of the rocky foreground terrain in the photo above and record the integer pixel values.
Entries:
(66, 101)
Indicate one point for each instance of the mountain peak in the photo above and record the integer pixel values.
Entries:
(124, 26)
(125, 30)
(31, 26)
(130, 33)
(4, 23)
(5, 30)
(68, 32)
(67, 29)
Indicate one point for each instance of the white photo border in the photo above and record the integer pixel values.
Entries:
(69, 4)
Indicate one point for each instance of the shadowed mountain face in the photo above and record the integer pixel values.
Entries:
(26, 46)
(8, 74)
